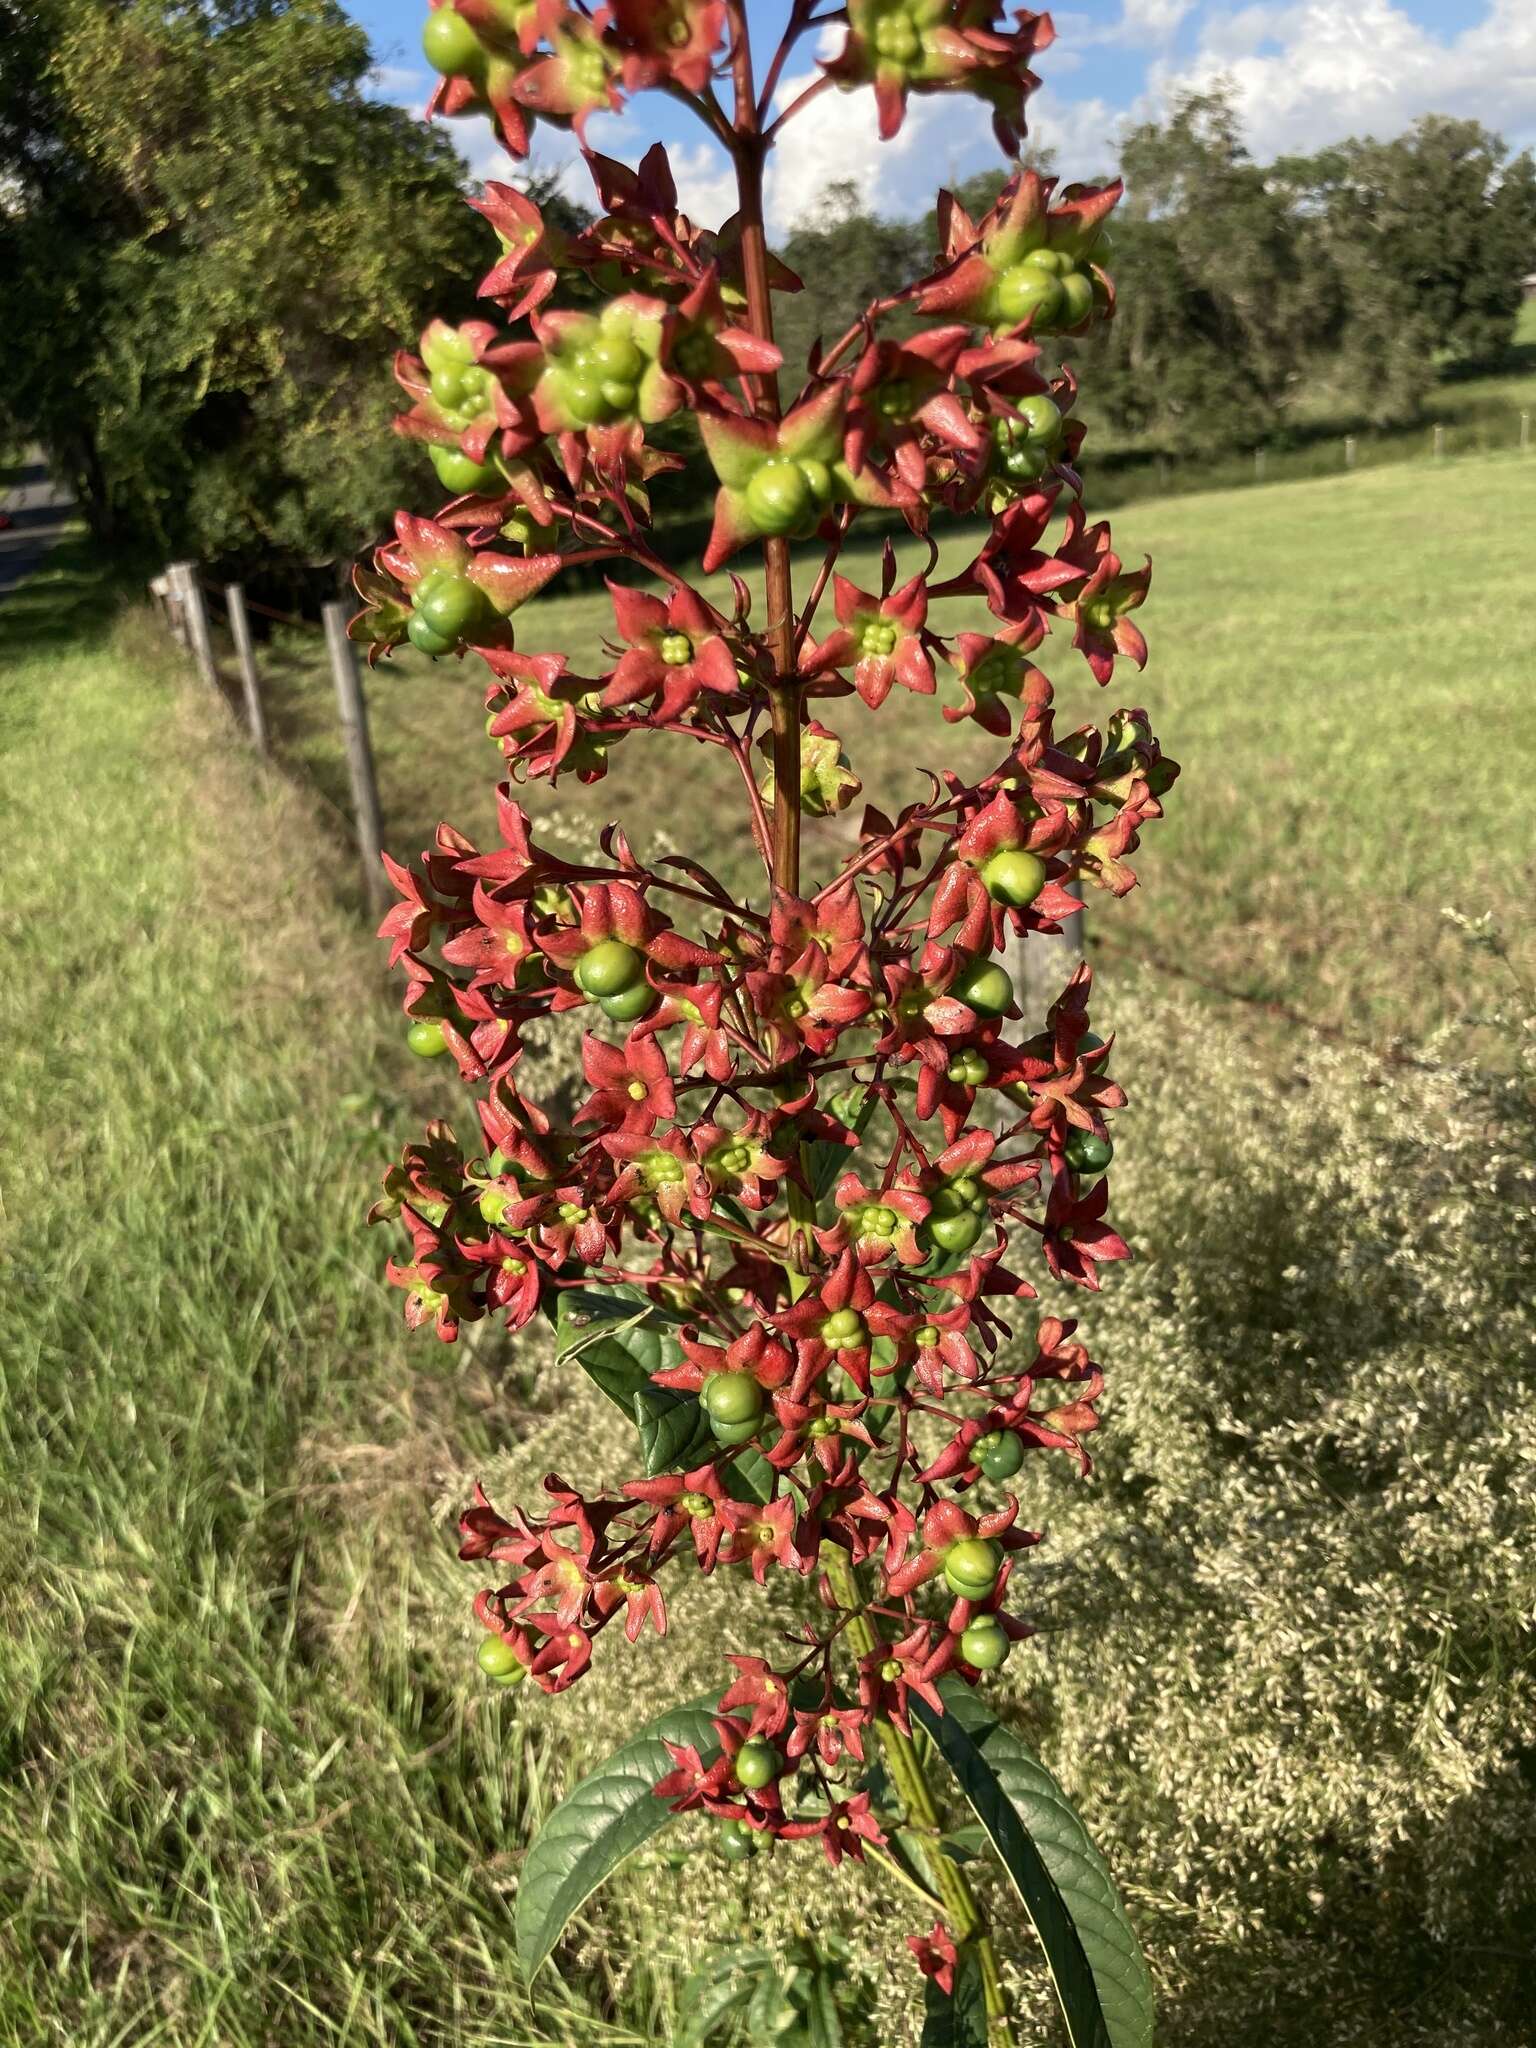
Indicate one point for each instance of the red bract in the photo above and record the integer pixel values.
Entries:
(817, 1118)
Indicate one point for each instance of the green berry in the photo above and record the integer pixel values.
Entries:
(780, 497)
(499, 1661)
(984, 987)
(610, 968)
(985, 1644)
(458, 472)
(450, 44)
(1000, 1453)
(1014, 877)
(845, 1330)
(1076, 298)
(1088, 1154)
(955, 1233)
(971, 1567)
(736, 1842)
(732, 1397)
(1026, 289)
(426, 1037)
(1040, 416)
(630, 1003)
(450, 605)
(757, 1764)
(428, 639)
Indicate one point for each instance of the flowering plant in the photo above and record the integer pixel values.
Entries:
(776, 1230)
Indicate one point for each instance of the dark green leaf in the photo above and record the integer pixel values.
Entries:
(749, 1476)
(826, 1159)
(674, 1430)
(959, 2021)
(618, 1339)
(1065, 1884)
(598, 1823)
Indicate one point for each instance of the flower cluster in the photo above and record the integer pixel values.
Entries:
(785, 1223)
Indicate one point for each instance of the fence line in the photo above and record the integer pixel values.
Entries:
(182, 594)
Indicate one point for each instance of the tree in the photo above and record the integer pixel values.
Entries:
(215, 229)
(1429, 234)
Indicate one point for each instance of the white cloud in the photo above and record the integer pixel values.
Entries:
(402, 82)
(1150, 21)
(1311, 73)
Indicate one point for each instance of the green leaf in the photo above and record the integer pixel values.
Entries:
(618, 1339)
(826, 1159)
(598, 1823)
(674, 1430)
(749, 1476)
(1094, 1957)
(959, 2021)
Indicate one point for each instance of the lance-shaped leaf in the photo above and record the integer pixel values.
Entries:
(599, 1823)
(1095, 1959)
(618, 1339)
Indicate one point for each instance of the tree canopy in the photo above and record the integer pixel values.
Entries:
(211, 235)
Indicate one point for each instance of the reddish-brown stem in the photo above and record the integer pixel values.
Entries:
(829, 561)
(748, 151)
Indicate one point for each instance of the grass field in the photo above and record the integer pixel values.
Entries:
(234, 1808)
(1320, 653)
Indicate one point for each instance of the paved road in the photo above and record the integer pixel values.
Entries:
(40, 510)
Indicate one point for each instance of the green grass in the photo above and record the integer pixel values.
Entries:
(235, 1806)
(1339, 665)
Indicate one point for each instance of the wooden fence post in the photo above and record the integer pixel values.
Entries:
(1349, 451)
(245, 655)
(1258, 465)
(1439, 441)
(175, 602)
(353, 708)
(1525, 432)
(194, 611)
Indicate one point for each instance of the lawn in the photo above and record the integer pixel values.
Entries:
(1319, 651)
(235, 1807)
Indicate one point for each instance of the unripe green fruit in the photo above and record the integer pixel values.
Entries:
(1040, 414)
(735, 1432)
(1014, 877)
(968, 1068)
(757, 1764)
(955, 1233)
(630, 1004)
(984, 987)
(457, 471)
(1029, 289)
(583, 399)
(845, 1330)
(971, 1567)
(780, 497)
(610, 968)
(498, 1660)
(426, 1038)
(732, 1397)
(1090, 1042)
(426, 637)
(1088, 1154)
(450, 605)
(984, 1644)
(1000, 1453)
(451, 45)
(614, 355)
(1076, 298)
(736, 1842)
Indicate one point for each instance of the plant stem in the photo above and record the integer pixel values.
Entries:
(966, 1921)
(748, 152)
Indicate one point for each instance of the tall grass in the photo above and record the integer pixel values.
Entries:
(236, 1805)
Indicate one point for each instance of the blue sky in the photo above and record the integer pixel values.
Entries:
(1306, 72)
